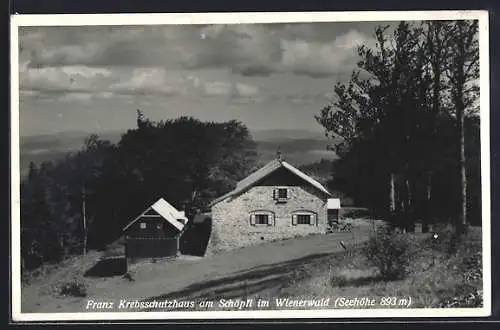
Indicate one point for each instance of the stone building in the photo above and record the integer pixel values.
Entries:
(277, 201)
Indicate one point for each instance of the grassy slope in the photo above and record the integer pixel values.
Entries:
(262, 267)
(436, 278)
(309, 267)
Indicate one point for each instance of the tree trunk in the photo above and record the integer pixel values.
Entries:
(426, 219)
(392, 195)
(84, 216)
(410, 208)
(464, 70)
(392, 201)
(462, 216)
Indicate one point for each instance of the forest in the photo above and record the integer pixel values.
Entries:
(406, 125)
(93, 193)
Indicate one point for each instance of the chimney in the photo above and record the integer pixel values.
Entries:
(278, 154)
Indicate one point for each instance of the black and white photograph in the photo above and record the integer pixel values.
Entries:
(253, 165)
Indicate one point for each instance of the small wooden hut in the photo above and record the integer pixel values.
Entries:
(333, 209)
(155, 233)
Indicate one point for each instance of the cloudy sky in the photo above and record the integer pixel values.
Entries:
(93, 78)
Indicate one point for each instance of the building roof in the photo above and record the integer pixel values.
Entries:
(177, 218)
(265, 171)
(333, 203)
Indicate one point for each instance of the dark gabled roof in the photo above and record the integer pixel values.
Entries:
(265, 171)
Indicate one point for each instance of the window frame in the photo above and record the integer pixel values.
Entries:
(313, 218)
(280, 190)
(300, 217)
(276, 194)
(271, 220)
(143, 225)
(261, 216)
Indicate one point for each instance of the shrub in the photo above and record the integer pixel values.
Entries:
(74, 288)
(472, 267)
(338, 281)
(443, 239)
(465, 296)
(129, 277)
(389, 252)
(357, 213)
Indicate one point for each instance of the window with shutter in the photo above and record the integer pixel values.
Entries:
(314, 219)
(282, 193)
(262, 218)
(304, 219)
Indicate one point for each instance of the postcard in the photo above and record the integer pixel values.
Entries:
(211, 166)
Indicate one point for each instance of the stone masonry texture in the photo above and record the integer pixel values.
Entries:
(231, 227)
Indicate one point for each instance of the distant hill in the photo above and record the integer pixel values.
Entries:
(322, 172)
(52, 147)
(286, 134)
(297, 146)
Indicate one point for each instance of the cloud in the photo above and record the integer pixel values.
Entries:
(147, 81)
(310, 98)
(147, 46)
(244, 90)
(243, 49)
(314, 50)
(323, 59)
(80, 83)
(77, 96)
(217, 88)
(353, 39)
(235, 92)
(64, 55)
(255, 70)
(60, 80)
(244, 94)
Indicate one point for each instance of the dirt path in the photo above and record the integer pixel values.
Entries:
(247, 271)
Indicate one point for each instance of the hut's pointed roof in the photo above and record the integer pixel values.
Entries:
(169, 213)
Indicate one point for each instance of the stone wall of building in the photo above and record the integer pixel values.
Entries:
(232, 228)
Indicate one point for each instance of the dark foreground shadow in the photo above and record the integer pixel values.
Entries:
(108, 267)
(194, 240)
(340, 281)
(241, 284)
